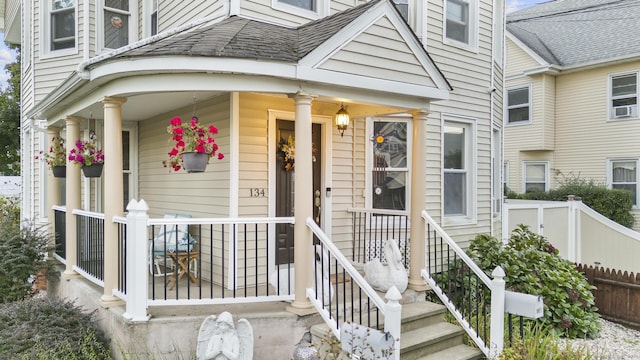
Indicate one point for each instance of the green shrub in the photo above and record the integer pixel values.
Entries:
(41, 328)
(22, 255)
(615, 204)
(532, 265)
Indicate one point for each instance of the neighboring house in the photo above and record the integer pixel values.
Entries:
(572, 88)
(10, 186)
(424, 75)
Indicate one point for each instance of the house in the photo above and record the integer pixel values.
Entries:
(572, 94)
(421, 82)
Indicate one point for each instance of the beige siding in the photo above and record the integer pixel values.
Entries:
(518, 60)
(171, 16)
(390, 59)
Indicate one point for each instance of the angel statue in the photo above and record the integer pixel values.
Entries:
(218, 339)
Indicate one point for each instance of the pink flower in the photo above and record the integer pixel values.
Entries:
(190, 137)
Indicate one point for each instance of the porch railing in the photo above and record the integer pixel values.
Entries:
(372, 227)
(340, 293)
(476, 301)
(90, 245)
(59, 228)
(121, 291)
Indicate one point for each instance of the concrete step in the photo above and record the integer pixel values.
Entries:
(458, 352)
(429, 339)
(420, 314)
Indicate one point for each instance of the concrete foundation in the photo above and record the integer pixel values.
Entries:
(172, 331)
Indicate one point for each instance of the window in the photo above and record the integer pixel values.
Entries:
(303, 4)
(623, 174)
(535, 176)
(457, 169)
(624, 96)
(403, 8)
(154, 17)
(310, 9)
(519, 110)
(116, 22)
(63, 24)
(460, 22)
(389, 164)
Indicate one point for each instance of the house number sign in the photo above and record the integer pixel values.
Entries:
(257, 192)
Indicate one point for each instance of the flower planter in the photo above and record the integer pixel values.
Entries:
(92, 171)
(59, 171)
(194, 162)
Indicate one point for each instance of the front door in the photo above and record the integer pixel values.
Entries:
(285, 171)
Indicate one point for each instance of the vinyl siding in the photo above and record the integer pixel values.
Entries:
(262, 9)
(518, 60)
(171, 16)
(586, 138)
(391, 61)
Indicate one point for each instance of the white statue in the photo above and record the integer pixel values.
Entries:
(321, 267)
(218, 339)
(380, 276)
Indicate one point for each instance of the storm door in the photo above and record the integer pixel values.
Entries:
(285, 180)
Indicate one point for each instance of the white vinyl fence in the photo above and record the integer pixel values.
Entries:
(581, 234)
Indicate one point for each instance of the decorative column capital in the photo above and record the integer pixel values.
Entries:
(73, 120)
(113, 101)
(301, 96)
(421, 113)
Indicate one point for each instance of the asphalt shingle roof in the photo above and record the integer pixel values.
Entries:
(237, 37)
(574, 32)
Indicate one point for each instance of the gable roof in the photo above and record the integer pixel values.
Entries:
(570, 33)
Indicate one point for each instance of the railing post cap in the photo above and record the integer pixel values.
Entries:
(393, 294)
(498, 272)
(137, 205)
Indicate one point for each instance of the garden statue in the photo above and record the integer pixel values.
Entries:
(218, 339)
(383, 276)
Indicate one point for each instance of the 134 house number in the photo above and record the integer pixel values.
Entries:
(257, 192)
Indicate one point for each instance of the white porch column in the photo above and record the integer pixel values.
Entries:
(418, 191)
(53, 184)
(73, 197)
(112, 195)
(137, 271)
(303, 188)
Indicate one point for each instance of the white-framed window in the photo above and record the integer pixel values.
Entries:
(116, 27)
(59, 30)
(496, 168)
(389, 158)
(623, 174)
(519, 105)
(310, 9)
(458, 168)
(624, 96)
(535, 176)
(403, 8)
(461, 22)
(153, 21)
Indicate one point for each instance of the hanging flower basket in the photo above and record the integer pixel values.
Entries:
(194, 162)
(191, 137)
(92, 171)
(59, 171)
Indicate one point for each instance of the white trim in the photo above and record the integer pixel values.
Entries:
(496, 171)
(610, 107)
(472, 160)
(132, 129)
(610, 176)
(368, 185)
(537, 58)
(45, 32)
(529, 88)
(473, 26)
(99, 25)
(326, 178)
(526, 163)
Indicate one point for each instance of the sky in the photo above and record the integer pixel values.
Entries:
(8, 56)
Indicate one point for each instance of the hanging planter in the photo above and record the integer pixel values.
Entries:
(191, 140)
(92, 171)
(59, 171)
(195, 162)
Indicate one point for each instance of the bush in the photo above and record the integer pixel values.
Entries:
(22, 255)
(40, 328)
(615, 204)
(539, 343)
(533, 266)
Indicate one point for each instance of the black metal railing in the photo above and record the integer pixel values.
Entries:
(122, 255)
(90, 243)
(372, 227)
(217, 260)
(339, 292)
(59, 228)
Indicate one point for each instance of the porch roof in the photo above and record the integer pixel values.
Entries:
(342, 56)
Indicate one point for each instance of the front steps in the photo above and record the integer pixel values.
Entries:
(425, 336)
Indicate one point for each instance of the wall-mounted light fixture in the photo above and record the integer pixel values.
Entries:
(342, 120)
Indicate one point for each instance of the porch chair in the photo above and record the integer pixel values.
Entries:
(177, 239)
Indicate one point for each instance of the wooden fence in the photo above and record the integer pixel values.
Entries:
(617, 294)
